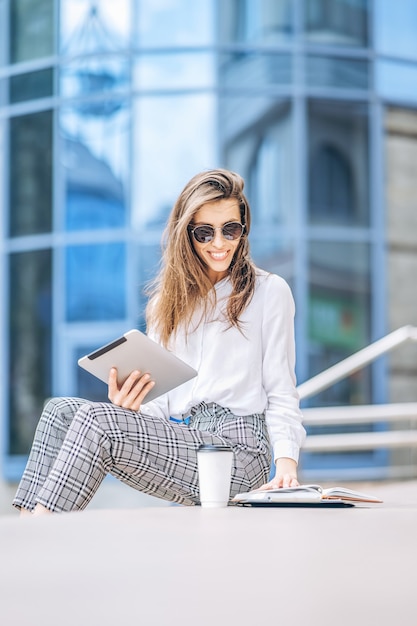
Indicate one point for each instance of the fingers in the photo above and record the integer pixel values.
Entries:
(132, 392)
(281, 480)
(113, 388)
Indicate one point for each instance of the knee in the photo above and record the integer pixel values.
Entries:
(60, 409)
(92, 411)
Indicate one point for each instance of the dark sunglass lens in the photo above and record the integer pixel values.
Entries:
(203, 234)
(232, 231)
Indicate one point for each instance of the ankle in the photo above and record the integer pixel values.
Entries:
(41, 510)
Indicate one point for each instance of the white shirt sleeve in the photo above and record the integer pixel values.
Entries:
(283, 415)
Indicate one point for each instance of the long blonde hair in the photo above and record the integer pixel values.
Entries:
(183, 283)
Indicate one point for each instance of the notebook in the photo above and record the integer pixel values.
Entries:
(304, 495)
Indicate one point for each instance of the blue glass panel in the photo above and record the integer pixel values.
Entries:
(175, 137)
(260, 21)
(395, 28)
(95, 169)
(174, 23)
(325, 71)
(92, 76)
(396, 81)
(94, 39)
(338, 164)
(339, 316)
(149, 258)
(253, 70)
(176, 70)
(32, 32)
(337, 22)
(96, 279)
(257, 141)
(274, 254)
(87, 27)
(30, 174)
(30, 319)
(31, 86)
(339, 310)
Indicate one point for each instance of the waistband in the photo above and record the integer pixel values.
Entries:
(208, 409)
(206, 406)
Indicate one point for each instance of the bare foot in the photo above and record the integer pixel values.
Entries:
(24, 512)
(41, 510)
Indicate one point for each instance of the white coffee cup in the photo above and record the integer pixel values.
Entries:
(214, 474)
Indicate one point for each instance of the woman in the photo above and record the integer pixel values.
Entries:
(229, 320)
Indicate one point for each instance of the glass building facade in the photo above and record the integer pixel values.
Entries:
(108, 108)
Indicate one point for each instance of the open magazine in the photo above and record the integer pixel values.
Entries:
(305, 494)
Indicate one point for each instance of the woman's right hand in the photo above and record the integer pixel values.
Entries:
(132, 392)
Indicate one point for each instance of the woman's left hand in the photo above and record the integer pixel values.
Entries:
(285, 475)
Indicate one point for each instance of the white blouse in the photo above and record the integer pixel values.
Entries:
(249, 370)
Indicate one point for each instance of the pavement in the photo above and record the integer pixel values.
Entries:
(169, 565)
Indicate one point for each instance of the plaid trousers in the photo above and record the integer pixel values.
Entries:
(78, 442)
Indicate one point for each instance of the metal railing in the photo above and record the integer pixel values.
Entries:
(356, 361)
(380, 418)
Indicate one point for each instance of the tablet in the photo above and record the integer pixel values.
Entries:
(136, 351)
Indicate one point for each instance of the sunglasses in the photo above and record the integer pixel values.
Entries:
(206, 233)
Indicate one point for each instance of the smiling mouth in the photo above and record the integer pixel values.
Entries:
(218, 256)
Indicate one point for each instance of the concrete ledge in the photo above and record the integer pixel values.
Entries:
(187, 565)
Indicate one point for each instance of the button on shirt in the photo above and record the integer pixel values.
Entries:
(248, 369)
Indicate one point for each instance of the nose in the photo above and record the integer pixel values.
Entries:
(218, 238)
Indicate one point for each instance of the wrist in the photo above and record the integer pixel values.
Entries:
(286, 465)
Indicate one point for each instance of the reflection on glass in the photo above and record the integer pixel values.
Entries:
(88, 27)
(256, 141)
(95, 169)
(30, 184)
(95, 282)
(339, 315)
(339, 22)
(338, 164)
(94, 196)
(149, 259)
(98, 34)
(30, 344)
(94, 76)
(271, 178)
(260, 21)
(274, 254)
(175, 70)
(31, 29)
(174, 139)
(325, 71)
(396, 81)
(253, 70)
(395, 28)
(31, 86)
(178, 24)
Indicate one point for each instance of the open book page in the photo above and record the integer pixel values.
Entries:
(305, 493)
(342, 493)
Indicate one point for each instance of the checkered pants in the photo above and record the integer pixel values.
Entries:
(78, 442)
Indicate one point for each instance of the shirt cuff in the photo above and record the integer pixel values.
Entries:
(288, 449)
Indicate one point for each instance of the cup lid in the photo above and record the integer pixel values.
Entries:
(212, 447)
